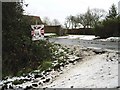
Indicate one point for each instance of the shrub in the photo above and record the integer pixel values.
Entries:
(19, 53)
(108, 27)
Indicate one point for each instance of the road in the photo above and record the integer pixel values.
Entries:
(110, 45)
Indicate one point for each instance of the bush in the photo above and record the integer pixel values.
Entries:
(26, 57)
(108, 28)
(19, 53)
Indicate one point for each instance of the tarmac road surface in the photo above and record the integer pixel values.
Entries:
(110, 45)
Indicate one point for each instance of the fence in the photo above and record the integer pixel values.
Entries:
(54, 29)
(86, 31)
(60, 31)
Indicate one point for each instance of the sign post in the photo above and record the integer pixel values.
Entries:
(37, 32)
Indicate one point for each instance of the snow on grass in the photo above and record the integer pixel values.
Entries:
(88, 37)
(50, 34)
(117, 39)
(111, 39)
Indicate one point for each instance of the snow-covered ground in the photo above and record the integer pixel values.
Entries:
(98, 71)
(95, 67)
(49, 34)
(89, 37)
(84, 37)
(93, 71)
(111, 39)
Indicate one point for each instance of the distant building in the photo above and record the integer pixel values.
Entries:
(119, 7)
(33, 19)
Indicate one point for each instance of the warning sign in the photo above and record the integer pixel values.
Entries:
(37, 32)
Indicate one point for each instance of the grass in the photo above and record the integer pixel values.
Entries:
(45, 65)
(25, 71)
(18, 82)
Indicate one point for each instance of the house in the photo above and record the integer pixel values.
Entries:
(33, 19)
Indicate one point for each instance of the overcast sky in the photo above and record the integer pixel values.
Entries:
(59, 9)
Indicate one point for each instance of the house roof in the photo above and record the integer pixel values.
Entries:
(33, 19)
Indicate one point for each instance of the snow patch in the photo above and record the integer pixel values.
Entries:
(84, 37)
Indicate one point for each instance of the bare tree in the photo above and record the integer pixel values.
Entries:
(55, 22)
(91, 17)
(47, 21)
(97, 15)
(87, 20)
(67, 22)
(81, 19)
(71, 22)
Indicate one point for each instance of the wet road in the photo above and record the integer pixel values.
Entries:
(110, 45)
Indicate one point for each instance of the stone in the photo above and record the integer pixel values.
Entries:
(35, 85)
(38, 76)
(56, 67)
(49, 70)
(101, 69)
(10, 87)
(4, 87)
(40, 83)
(61, 64)
(71, 61)
(47, 80)
(43, 77)
(28, 76)
(27, 79)
(99, 51)
(109, 74)
(45, 88)
(43, 72)
(28, 87)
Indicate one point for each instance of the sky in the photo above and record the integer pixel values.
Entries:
(60, 9)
